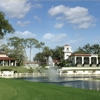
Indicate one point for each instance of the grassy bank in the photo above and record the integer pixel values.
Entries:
(19, 69)
(23, 90)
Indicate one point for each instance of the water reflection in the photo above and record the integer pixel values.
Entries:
(84, 82)
(92, 85)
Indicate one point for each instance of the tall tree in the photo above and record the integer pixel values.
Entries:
(4, 48)
(24, 43)
(80, 50)
(58, 53)
(17, 49)
(40, 58)
(95, 49)
(40, 45)
(87, 48)
(47, 52)
(31, 42)
(15, 42)
(5, 26)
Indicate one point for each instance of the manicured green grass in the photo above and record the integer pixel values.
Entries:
(19, 69)
(11, 89)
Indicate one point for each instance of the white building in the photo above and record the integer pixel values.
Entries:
(67, 51)
(81, 59)
(6, 61)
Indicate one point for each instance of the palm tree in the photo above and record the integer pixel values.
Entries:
(95, 49)
(87, 48)
(58, 53)
(39, 57)
(47, 52)
(80, 50)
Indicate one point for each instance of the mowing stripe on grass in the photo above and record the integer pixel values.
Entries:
(11, 89)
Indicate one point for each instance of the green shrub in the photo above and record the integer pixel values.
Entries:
(6, 69)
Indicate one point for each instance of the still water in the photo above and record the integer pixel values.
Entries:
(84, 82)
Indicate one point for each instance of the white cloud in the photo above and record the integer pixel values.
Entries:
(59, 25)
(37, 18)
(75, 41)
(55, 38)
(37, 5)
(57, 10)
(72, 41)
(15, 8)
(25, 34)
(59, 18)
(48, 36)
(78, 16)
(22, 24)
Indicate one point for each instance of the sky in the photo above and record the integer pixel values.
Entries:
(54, 22)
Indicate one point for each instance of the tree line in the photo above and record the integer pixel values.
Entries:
(5, 26)
(57, 53)
(16, 47)
(89, 49)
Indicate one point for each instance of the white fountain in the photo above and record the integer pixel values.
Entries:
(51, 71)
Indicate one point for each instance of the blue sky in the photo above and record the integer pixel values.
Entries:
(54, 22)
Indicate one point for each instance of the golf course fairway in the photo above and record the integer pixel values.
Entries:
(12, 89)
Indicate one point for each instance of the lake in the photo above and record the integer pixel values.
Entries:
(84, 82)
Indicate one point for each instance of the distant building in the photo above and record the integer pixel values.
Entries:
(67, 51)
(6, 61)
(81, 59)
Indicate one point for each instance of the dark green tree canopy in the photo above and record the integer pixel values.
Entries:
(89, 49)
(5, 26)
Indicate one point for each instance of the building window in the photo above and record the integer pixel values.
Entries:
(67, 48)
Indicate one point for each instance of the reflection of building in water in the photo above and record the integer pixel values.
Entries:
(6, 61)
(81, 59)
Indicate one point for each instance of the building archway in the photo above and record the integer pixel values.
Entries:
(93, 60)
(79, 60)
(86, 60)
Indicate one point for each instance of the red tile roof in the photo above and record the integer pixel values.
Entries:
(80, 55)
(66, 45)
(2, 53)
(6, 58)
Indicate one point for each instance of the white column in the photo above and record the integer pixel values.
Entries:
(75, 59)
(15, 63)
(3, 63)
(89, 60)
(82, 60)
